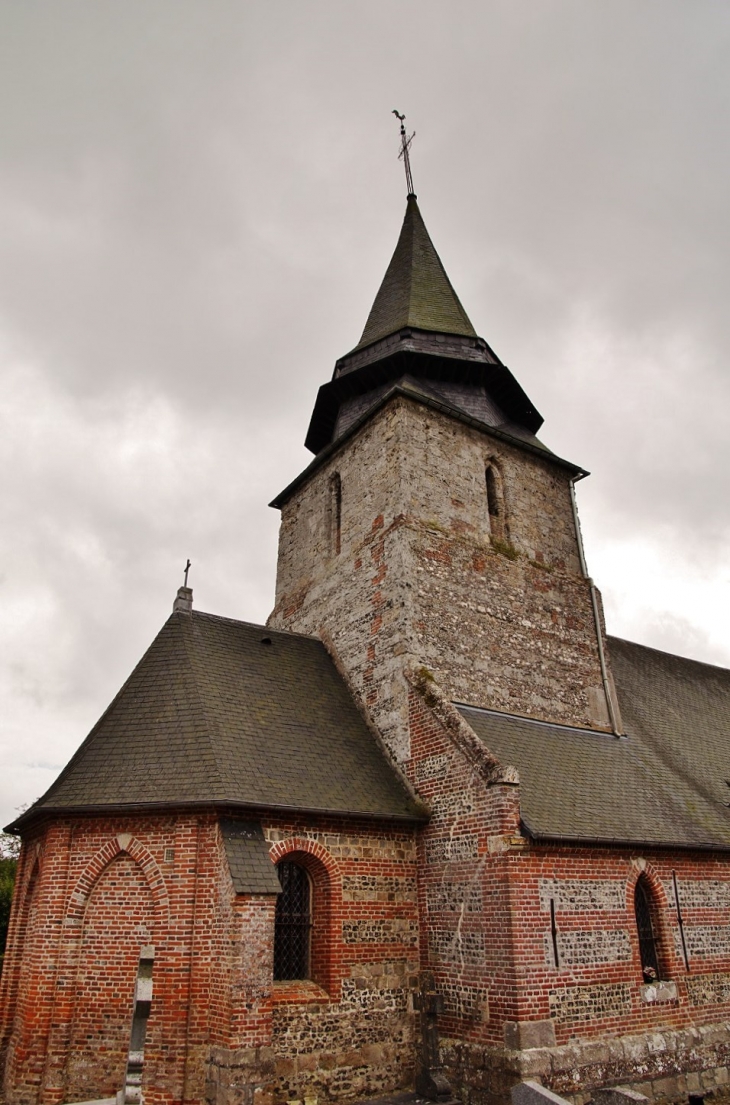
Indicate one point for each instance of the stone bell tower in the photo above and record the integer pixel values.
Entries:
(433, 531)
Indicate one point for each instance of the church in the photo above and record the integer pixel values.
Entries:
(429, 828)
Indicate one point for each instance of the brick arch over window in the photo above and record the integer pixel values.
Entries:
(326, 903)
(650, 886)
(96, 867)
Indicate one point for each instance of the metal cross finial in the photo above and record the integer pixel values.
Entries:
(405, 143)
(187, 569)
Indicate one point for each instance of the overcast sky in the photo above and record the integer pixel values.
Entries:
(197, 204)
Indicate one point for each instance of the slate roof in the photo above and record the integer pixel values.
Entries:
(416, 292)
(224, 713)
(663, 784)
(247, 852)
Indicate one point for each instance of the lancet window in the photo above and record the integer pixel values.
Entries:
(648, 945)
(495, 501)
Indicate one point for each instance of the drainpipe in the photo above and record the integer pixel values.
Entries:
(611, 703)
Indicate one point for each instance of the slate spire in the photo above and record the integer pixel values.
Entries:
(417, 332)
(416, 292)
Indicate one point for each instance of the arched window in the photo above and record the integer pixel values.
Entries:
(293, 924)
(648, 949)
(334, 512)
(495, 501)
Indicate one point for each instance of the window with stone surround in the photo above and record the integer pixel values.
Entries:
(293, 924)
(334, 513)
(495, 501)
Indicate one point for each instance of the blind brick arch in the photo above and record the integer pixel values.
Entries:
(95, 868)
(119, 917)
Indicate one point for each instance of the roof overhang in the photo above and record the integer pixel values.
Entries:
(496, 378)
(38, 814)
(404, 391)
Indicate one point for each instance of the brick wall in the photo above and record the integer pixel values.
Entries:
(470, 898)
(566, 1004)
(93, 892)
(103, 890)
(120, 902)
(351, 1035)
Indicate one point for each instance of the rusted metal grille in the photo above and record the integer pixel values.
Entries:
(293, 923)
(647, 942)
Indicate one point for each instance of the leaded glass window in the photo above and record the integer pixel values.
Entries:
(293, 922)
(645, 928)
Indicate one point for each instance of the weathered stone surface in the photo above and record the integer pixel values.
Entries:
(618, 1095)
(418, 570)
(520, 1035)
(532, 1093)
(659, 991)
(585, 1003)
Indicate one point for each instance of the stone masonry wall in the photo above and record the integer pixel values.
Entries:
(566, 1004)
(503, 622)
(584, 1016)
(361, 596)
(349, 1032)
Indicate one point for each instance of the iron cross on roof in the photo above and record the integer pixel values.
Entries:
(405, 143)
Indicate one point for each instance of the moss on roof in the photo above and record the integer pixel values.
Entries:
(416, 292)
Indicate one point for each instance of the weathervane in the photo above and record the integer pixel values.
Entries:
(187, 569)
(405, 143)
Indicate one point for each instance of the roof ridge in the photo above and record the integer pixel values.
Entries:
(664, 652)
(256, 625)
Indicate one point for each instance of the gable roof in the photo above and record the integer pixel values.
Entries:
(224, 713)
(415, 292)
(663, 784)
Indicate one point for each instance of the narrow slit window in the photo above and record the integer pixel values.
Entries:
(335, 514)
(495, 502)
(648, 949)
(293, 924)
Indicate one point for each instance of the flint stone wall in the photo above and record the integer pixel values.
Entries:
(593, 946)
(419, 573)
(582, 895)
